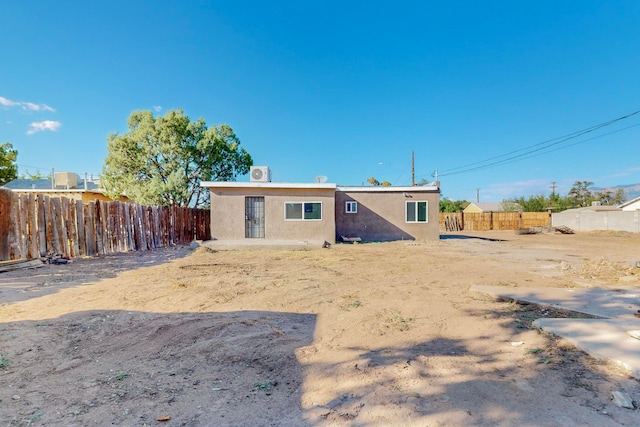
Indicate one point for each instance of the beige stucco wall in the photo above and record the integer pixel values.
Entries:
(381, 215)
(228, 213)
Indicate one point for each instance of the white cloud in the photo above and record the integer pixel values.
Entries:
(36, 127)
(27, 106)
(157, 108)
(7, 103)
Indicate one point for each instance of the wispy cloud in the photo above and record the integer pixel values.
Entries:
(50, 125)
(26, 106)
(157, 108)
(627, 172)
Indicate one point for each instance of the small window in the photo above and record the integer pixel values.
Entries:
(417, 211)
(351, 207)
(303, 211)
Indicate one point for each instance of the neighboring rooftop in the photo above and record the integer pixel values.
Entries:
(62, 181)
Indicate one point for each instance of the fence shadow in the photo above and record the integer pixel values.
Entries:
(20, 285)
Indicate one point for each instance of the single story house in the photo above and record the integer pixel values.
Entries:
(318, 212)
(64, 184)
(631, 205)
(492, 207)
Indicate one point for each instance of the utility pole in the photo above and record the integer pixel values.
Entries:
(413, 171)
(477, 195)
(553, 190)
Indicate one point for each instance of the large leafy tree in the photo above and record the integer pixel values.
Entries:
(8, 165)
(162, 160)
(580, 193)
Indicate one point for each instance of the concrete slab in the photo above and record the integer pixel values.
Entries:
(605, 303)
(604, 339)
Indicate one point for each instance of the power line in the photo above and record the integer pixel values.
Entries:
(528, 152)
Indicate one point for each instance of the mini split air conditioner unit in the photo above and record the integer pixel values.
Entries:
(260, 174)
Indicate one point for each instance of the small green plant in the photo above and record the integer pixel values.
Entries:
(264, 385)
(122, 377)
(536, 350)
(356, 304)
(4, 362)
(402, 323)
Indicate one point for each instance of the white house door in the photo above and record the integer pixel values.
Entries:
(254, 217)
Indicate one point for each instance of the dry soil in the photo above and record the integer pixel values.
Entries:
(358, 335)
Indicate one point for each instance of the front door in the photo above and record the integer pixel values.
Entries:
(254, 217)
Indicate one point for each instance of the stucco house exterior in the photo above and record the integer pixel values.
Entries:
(318, 212)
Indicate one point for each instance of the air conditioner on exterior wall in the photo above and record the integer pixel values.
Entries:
(260, 174)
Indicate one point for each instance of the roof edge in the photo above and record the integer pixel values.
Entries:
(233, 184)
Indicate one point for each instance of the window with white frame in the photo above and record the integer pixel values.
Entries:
(417, 211)
(303, 211)
(351, 207)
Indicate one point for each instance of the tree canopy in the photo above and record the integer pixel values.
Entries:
(162, 160)
(8, 165)
(579, 195)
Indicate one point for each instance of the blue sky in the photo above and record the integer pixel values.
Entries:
(344, 89)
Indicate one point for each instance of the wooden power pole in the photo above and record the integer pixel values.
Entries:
(413, 171)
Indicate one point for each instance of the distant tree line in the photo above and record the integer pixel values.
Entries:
(579, 195)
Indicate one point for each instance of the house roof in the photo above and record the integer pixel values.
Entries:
(233, 184)
(368, 189)
(630, 202)
(45, 185)
(596, 208)
(388, 189)
(488, 207)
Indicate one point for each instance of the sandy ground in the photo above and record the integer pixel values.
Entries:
(358, 335)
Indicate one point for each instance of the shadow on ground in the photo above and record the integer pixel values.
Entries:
(21, 285)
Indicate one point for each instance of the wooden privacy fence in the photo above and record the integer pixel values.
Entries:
(34, 225)
(486, 221)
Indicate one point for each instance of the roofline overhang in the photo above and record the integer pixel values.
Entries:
(231, 184)
(389, 189)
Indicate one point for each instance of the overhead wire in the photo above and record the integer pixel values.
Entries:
(535, 149)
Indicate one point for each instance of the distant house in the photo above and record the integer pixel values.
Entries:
(319, 212)
(64, 184)
(631, 205)
(492, 207)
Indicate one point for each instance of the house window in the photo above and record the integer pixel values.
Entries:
(302, 211)
(351, 207)
(417, 211)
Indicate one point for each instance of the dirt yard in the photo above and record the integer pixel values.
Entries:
(358, 335)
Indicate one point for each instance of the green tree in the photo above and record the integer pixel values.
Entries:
(162, 160)
(538, 203)
(580, 194)
(610, 197)
(8, 166)
(37, 175)
(448, 205)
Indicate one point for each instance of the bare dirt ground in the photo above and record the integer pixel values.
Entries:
(358, 335)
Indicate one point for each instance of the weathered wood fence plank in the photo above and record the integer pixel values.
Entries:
(35, 225)
(486, 221)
